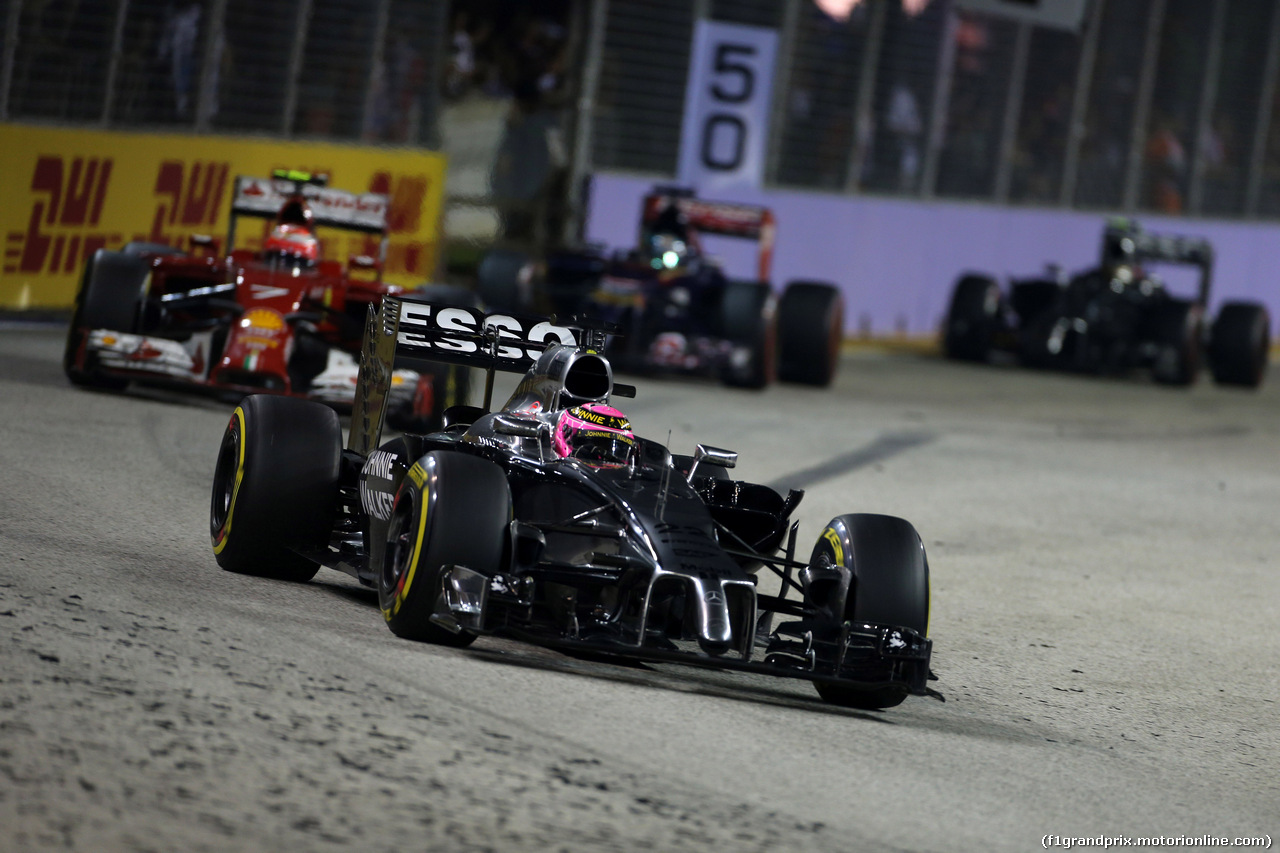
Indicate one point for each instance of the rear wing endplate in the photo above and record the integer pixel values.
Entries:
(408, 332)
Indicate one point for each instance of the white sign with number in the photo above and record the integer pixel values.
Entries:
(726, 106)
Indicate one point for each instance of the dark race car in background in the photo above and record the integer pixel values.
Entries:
(595, 539)
(676, 309)
(1115, 317)
(282, 319)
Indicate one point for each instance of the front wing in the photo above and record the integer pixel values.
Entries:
(862, 656)
(188, 363)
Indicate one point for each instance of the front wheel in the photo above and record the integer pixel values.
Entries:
(275, 487)
(889, 585)
(1240, 344)
(810, 329)
(110, 297)
(452, 510)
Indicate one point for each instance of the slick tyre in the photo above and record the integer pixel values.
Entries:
(502, 280)
(973, 319)
(1240, 344)
(110, 297)
(810, 329)
(452, 509)
(1031, 300)
(889, 586)
(275, 487)
(748, 320)
(1179, 335)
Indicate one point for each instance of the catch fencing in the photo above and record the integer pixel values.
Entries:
(1166, 106)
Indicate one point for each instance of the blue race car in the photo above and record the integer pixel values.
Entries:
(674, 308)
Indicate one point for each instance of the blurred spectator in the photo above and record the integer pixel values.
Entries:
(1166, 165)
(462, 71)
(1216, 143)
(176, 52)
(398, 81)
(903, 120)
(506, 49)
(528, 172)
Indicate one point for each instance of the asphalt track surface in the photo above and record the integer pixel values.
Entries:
(1105, 603)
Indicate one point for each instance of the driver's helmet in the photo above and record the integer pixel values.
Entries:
(292, 243)
(1119, 244)
(668, 243)
(594, 432)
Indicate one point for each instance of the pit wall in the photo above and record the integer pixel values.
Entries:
(897, 260)
(70, 192)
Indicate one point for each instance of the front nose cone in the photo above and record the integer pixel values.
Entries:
(715, 648)
(715, 631)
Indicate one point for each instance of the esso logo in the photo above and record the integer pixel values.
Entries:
(460, 330)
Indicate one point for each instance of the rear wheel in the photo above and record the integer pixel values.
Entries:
(748, 321)
(110, 297)
(1179, 330)
(502, 280)
(810, 328)
(275, 486)
(1031, 300)
(889, 586)
(452, 509)
(1240, 344)
(972, 318)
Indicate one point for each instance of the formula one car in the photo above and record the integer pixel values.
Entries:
(281, 320)
(1115, 317)
(678, 310)
(552, 521)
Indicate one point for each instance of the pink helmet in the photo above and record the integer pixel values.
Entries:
(594, 432)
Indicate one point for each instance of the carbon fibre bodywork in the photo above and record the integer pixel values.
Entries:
(657, 559)
(1115, 317)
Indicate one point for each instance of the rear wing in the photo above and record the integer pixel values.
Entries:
(1124, 241)
(333, 208)
(729, 219)
(408, 332)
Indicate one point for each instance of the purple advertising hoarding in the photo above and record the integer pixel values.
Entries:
(896, 260)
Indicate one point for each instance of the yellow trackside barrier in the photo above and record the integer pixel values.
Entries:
(70, 192)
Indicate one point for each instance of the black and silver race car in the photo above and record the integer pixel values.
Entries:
(550, 521)
(1114, 317)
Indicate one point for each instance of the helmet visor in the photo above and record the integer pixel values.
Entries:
(602, 447)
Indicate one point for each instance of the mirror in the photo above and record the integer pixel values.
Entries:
(711, 456)
(715, 456)
(515, 425)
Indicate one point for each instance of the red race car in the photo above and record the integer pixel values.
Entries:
(281, 319)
